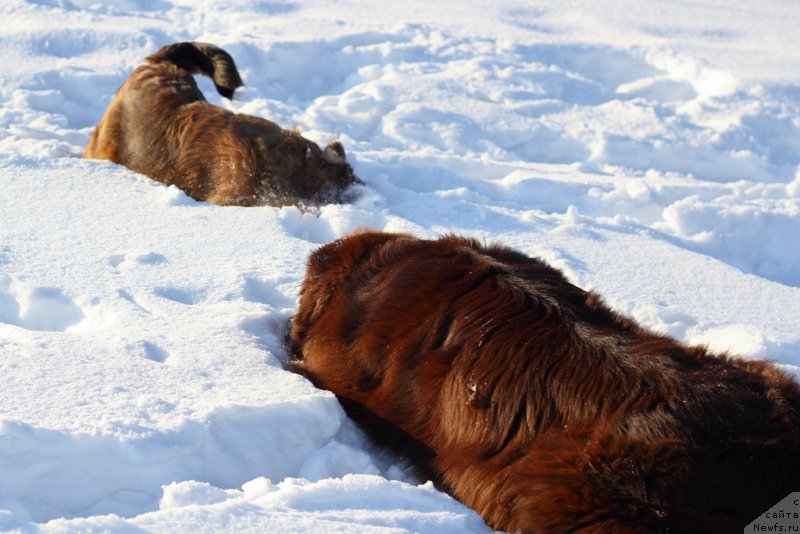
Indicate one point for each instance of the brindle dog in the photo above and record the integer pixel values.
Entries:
(160, 124)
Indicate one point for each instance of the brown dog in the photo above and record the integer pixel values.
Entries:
(529, 400)
(159, 124)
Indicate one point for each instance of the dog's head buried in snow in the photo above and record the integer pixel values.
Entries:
(532, 402)
(159, 124)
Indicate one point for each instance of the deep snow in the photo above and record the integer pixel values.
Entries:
(650, 149)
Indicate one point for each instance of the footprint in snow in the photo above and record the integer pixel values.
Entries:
(37, 308)
(132, 259)
(182, 295)
(146, 350)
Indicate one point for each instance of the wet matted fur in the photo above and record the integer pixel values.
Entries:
(160, 124)
(529, 400)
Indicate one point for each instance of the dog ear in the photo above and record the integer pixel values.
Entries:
(334, 153)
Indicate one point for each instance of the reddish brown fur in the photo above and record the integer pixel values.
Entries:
(532, 402)
(159, 124)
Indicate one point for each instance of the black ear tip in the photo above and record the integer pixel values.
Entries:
(335, 151)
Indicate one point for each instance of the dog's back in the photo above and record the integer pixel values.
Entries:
(129, 132)
(531, 401)
(160, 124)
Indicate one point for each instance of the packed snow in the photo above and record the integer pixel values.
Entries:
(649, 149)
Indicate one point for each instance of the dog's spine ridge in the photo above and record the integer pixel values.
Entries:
(203, 58)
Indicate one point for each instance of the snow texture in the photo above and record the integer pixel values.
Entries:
(649, 149)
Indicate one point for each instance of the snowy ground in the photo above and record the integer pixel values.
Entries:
(650, 149)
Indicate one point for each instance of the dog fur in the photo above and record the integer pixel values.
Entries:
(160, 124)
(529, 400)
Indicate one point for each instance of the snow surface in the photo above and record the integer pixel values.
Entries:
(649, 148)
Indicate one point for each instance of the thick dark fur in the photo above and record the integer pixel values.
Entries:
(532, 402)
(160, 124)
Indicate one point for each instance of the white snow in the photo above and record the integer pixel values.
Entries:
(650, 149)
